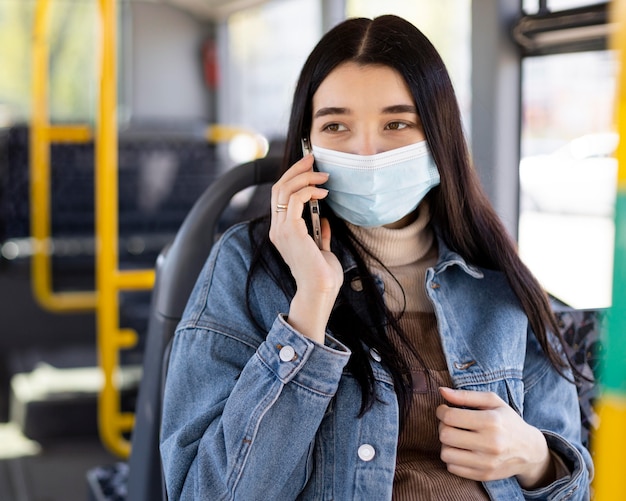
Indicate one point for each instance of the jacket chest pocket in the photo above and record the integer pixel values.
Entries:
(510, 390)
(354, 457)
(515, 394)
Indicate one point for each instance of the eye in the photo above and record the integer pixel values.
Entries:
(396, 125)
(334, 127)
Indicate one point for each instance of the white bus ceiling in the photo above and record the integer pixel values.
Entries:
(210, 9)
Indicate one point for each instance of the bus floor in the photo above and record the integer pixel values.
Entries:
(54, 470)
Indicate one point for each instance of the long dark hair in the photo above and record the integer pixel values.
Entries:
(460, 210)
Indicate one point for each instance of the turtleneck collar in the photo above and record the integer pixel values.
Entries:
(399, 246)
(406, 254)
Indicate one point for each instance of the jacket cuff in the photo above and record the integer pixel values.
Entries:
(292, 356)
(572, 479)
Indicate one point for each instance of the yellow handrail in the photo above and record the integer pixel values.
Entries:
(109, 280)
(113, 424)
(41, 134)
(70, 134)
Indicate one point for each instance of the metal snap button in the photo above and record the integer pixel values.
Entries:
(464, 365)
(366, 452)
(375, 355)
(356, 284)
(287, 354)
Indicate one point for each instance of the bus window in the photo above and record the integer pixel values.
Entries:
(532, 6)
(72, 64)
(261, 69)
(568, 174)
(265, 51)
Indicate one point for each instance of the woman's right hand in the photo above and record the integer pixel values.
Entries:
(318, 273)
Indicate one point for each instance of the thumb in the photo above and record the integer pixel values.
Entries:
(325, 228)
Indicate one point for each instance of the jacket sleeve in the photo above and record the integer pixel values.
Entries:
(240, 411)
(551, 405)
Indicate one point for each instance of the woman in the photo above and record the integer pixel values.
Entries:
(411, 356)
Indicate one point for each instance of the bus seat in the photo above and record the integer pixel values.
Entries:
(582, 332)
(177, 269)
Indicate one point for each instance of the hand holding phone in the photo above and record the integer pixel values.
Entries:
(314, 206)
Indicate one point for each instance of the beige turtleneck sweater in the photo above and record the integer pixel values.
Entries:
(407, 253)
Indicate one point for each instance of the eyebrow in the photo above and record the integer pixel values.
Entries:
(331, 110)
(396, 108)
(400, 108)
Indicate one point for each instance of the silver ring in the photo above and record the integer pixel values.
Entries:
(281, 207)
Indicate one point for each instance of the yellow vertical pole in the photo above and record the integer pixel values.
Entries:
(109, 279)
(40, 137)
(40, 155)
(106, 231)
(610, 439)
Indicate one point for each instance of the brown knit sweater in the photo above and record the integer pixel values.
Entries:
(407, 253)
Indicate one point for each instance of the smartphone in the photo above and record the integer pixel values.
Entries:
(314, 206)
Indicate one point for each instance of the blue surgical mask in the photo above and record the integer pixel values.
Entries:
(380, 189)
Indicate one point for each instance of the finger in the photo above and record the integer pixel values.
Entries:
(456, 456)
(472, 399)
(459, 438)
(478, 421)
(283, 190)
(455, 437)
(287, 185)
(288, 224)
(469, 472)
(467, 419)
(293, 180)
(301, 197)
(326, 234)
(303, 165)
(301, 179)
(474, 466)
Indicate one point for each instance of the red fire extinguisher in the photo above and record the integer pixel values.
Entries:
(210, 64)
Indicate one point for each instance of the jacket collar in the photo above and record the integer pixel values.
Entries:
(447, 258)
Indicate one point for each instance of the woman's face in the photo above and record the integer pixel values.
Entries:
(364, 110)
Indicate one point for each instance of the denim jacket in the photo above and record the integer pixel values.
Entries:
(260, 412)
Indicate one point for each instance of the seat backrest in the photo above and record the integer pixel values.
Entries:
(177, 269)
(582, 331)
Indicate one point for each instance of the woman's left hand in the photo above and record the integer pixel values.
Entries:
(482, 438)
